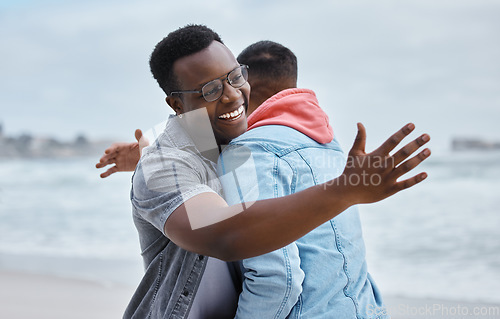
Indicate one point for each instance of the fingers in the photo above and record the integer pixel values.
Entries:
(395, 139)
(114, 148)
(104, 164)
(99, 165)
(411, 163)
(407, 183)
(110, 151)
(409, 149)
(110, 154)
(110, 171)
(360, 140)
(106, 160)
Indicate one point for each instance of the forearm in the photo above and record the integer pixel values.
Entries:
(271, 224)
(263, 226)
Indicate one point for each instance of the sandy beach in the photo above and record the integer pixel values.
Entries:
(26, 295)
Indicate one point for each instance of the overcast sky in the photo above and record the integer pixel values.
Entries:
(69, 67)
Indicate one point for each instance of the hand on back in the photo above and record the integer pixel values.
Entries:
(124, 156)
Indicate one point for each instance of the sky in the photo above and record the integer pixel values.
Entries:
(81, 67)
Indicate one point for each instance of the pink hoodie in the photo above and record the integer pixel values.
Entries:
(295, 108)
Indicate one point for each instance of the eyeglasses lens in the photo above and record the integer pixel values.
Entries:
(213, 89)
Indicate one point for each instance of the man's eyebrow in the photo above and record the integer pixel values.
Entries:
(202, 84)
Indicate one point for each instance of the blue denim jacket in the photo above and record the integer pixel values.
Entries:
(324, 273)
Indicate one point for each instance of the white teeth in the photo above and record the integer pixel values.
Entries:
(233, 114)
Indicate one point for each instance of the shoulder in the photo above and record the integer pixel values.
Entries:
(163, 169)
(165, 155)
(280, 140)
(266, 134)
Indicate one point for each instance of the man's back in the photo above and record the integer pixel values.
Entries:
(332, 257)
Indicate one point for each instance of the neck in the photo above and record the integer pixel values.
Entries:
(264, 89)
(257, 97)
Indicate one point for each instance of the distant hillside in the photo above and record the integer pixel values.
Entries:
(463, 144)
(29, 146)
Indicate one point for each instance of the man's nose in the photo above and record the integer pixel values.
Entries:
(230, 94)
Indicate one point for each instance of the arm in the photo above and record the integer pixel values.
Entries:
(237, 232)
(125, 156)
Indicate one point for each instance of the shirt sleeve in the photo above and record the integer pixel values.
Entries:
(272, 282)
(164, 179)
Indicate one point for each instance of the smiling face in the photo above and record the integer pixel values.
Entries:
(228, 113)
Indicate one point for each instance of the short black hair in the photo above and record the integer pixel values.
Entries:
(270, 61)
(182, 42)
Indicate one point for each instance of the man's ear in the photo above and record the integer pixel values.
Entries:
(175, 103)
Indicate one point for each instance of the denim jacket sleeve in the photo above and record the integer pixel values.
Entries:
(272, 282)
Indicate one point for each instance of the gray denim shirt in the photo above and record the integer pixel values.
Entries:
(170, 172)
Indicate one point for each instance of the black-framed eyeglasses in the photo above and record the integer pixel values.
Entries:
(213, 90)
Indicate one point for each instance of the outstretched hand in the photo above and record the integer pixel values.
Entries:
(374, 175)
(125, 156)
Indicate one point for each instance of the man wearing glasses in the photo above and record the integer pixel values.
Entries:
(178, 211)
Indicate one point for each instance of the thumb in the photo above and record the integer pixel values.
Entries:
(138, 135)
(141, 139)
(360, 140)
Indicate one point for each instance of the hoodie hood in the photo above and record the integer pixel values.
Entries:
(295, 108)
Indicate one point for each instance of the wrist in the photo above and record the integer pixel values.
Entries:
(342, 192)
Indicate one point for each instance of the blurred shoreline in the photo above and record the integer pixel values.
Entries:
(56, 297)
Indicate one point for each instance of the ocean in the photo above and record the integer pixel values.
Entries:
(439, 239)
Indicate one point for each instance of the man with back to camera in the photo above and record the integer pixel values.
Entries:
(261, 229)
(292, 145)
